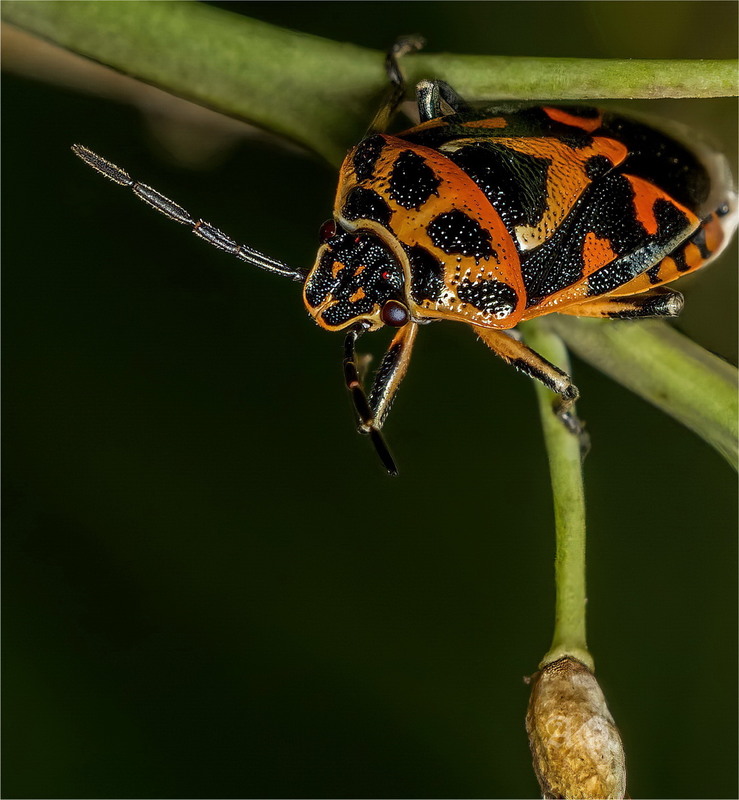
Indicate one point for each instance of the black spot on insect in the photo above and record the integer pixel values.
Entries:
(427, 274)
(491, 296)
(653, 273)
(514, 183)
(455, 232)
(576, 141)
(412, 181)
(366, 204)
(597, 166)
(671, 221)
(679, 258)
(613, 275)
(365, 157)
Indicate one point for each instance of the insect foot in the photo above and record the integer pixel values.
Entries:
(563, 407)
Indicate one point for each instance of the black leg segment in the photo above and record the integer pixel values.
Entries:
(429, 95)
(659, 302)
(362, 406)
(523, 358)
(396, 91)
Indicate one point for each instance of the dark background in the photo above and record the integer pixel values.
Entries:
(212, 589)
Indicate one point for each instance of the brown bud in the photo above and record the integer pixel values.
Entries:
(575, 744)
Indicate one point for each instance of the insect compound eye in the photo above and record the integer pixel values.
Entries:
(394, 314)
(327, 231)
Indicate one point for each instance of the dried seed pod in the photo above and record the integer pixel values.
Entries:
(575, 745)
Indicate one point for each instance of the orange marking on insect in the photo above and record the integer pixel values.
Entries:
(644, 207)
(358, 295)
(645, 196)
(693, 256)
(493, 122)
(336, 268)
(714, 233)
(596, 253)
(667, 267)
(588, 124)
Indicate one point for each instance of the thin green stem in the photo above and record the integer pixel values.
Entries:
(528, 78)
(563, 450)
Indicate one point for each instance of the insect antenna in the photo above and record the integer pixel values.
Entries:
(361, 404)
(199, 227)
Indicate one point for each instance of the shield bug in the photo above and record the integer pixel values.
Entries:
(492, 217)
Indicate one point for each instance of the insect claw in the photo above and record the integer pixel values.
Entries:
(574, 426)
(585, 444)
(383, 452)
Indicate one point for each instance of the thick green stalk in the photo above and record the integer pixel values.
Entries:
(315, 91)
(563, 451)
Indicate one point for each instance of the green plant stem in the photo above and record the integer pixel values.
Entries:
(524, 78)
(563, 451)
(315, 91)
(664, 367)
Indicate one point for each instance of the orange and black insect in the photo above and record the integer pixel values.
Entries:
(493, 217)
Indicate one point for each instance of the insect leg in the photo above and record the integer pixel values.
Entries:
(429, 95)
(523, 358)
(391, 372)
(199, 227)
(362, 406)
(396, 91)
(659, 302)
